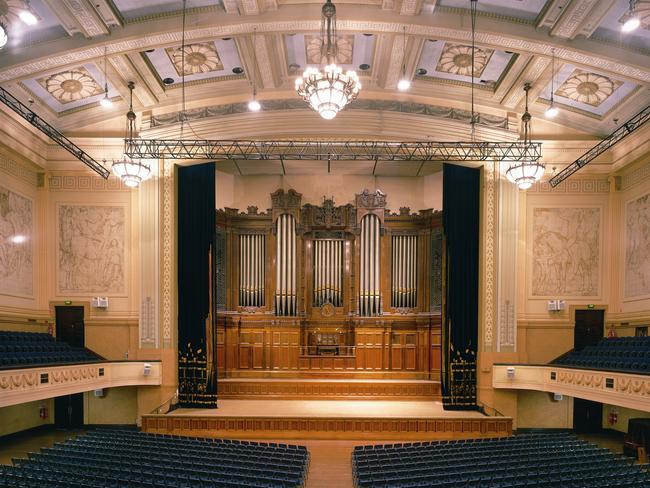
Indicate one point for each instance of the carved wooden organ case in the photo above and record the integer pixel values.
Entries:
(328, 287)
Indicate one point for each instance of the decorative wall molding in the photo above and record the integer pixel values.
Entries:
(38, 383)
(13, 168)
(596, 185)
(507, 266)
(487, 120)
(491, 210)
(623, 389)
(85, 183)
(168, 255)
(640, 174)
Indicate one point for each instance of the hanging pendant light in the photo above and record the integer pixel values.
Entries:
(404, 83)
(552, 110)
(328, 91)
(106, 102)
(131, 172)
(525, 172)
(633, 21)
(4, 38)
(254, 105)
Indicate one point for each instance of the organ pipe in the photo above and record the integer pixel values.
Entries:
(404, 271)
(251, 270)
(369, 289)
(285, 294)
(328, 275)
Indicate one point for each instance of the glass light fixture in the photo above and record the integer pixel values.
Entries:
(254, 105)
(28, 17)
(552, 110)
(330, 90)
(525, 172)
(633, 22)
(3, 36)
(130, 171)
(106, 102)
(404, 83)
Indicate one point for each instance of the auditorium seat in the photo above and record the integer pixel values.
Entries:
(545, 460)
(625, 354)
(26, 349)
(127, 458)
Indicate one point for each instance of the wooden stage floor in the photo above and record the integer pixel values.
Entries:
(328, 419)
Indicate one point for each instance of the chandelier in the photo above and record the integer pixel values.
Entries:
(130, 171)
(330, 90)
(525, 172)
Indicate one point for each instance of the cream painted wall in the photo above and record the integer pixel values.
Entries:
(537, 409)
(624, 415)
(24, 416)
(117, 406)
(418, 193)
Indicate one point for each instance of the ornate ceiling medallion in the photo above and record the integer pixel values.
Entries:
(590, 88)
(456, 59)
(10, 10)
(344, 49)
(71, 86)
(199, 58)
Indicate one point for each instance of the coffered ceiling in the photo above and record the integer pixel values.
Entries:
(601, 75)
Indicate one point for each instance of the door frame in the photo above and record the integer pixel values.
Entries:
(71, 303)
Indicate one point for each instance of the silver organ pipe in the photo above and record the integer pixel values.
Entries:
(404, 271)
(328, 275)
(251, 270)
(285, 278)
(369, 289)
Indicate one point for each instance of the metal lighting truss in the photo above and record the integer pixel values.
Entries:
(627, 128)
(331, 150)
(30, 116)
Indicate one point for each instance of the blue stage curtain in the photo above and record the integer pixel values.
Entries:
(461, 204)
(196, 230)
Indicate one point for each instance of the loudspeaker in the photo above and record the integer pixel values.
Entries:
(147, 369)
(510, 372)
(99, 392)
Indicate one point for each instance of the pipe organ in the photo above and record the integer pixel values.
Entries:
(328, 289)
(369, 296)
(285, 255)
(328, 272)
(404, 271)
(251, 270)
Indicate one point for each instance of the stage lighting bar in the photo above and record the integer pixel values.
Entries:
(30, 116)
(624, 130)
(331, 150)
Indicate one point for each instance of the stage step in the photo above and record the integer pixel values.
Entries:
(317, 419)
(328, 389)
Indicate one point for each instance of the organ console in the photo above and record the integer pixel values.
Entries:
(353, 290)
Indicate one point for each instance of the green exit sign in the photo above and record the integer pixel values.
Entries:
(68, 302)
(591, 305)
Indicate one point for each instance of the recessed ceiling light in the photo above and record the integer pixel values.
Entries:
(631, 24)
(294, 66)
(404, 84)
(28, 17)
(226, 38)
(421, 72)
(238, 70)
(3, 36)
(364, 67)
(150, 50)
(367, 34)
(168, 81)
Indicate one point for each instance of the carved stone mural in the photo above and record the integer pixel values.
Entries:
(637, 247)
(91, 249)
(566, 250)
(16, 256)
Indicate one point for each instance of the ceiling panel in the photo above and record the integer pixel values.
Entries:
(521, 9)
(131, 9)
(203, 60)
(72, 88)
(610, 27)
(20, 34)
(452, 61)
(587, 90)
(354, 51)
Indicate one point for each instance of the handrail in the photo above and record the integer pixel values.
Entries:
(483, 406)
(172, 406)
(333, 350)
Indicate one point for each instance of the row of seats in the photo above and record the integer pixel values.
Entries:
(546, 460)
(627, 354)
(131, 459)
(25, 349)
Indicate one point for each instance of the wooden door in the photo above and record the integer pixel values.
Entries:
(70, 325)
(589, 329)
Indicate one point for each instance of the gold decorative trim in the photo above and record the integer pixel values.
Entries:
(85, 183)
(596, 185)
(167, 264)
(491, 176)
(13, 168)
